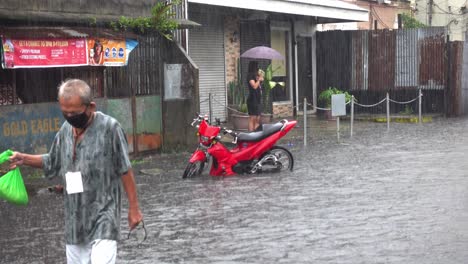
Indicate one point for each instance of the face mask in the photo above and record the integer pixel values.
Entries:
(77, 121)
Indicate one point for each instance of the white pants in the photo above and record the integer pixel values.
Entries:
(100, 251)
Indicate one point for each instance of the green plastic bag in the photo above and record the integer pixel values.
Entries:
(12, 186)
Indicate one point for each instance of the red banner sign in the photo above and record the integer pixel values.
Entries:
(41, 53)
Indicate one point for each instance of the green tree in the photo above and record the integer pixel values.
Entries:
(161, 20)
(411, 22)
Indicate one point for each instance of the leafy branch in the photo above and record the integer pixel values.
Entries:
(411, 22)
(160, 21)
(326, 96)
(269, 83)
(236, 94)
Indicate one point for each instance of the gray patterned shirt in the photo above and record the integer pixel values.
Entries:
(102, 158)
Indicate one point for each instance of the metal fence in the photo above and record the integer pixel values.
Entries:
(143, 75)
(370, 64)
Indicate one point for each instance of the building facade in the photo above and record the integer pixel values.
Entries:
(229, 28)
(54, 39)
(383, 14)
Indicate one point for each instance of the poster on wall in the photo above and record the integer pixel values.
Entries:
(172, 81)
(109, 52)
(41, 53)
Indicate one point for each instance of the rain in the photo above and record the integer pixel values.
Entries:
(361, 191)
(379, 197)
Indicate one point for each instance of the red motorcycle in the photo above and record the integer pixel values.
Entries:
(252, 152)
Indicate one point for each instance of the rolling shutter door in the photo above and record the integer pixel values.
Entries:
(206, 48)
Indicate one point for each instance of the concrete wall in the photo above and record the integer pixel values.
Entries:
(72, 10)
(29, 128)
(32, 127)
(179, 113)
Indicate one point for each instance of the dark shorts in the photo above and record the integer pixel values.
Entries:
(254, 109)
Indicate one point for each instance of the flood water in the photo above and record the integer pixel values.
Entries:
(396, 197)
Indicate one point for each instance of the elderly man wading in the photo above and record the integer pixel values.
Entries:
(90, 153)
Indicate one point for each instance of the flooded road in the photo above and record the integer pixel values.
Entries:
(397, 197)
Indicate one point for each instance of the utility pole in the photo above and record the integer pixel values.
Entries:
(429, 11)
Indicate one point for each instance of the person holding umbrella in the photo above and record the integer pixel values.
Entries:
(254, 101)
(256, 75)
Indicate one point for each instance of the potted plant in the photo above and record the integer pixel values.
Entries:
(238, 106)
(325, 97)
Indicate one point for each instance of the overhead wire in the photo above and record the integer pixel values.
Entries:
(440, 8)
(374, 12)
(448, 12)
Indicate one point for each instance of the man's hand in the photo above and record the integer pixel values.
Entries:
(17, 159)
(134, 217)
(134, 213)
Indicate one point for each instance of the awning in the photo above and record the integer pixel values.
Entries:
(332, 10)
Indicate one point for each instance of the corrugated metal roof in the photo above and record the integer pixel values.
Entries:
(62, 32)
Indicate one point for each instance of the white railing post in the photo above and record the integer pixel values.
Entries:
(305, 121)
(338, 128)
(388, 112)
(352, 115)
(420, 107)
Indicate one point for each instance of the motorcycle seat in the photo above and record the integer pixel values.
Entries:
(267, 130)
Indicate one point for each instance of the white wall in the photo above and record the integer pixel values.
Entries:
(444, 13)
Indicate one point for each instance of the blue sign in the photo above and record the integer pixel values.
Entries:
(29, 128)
